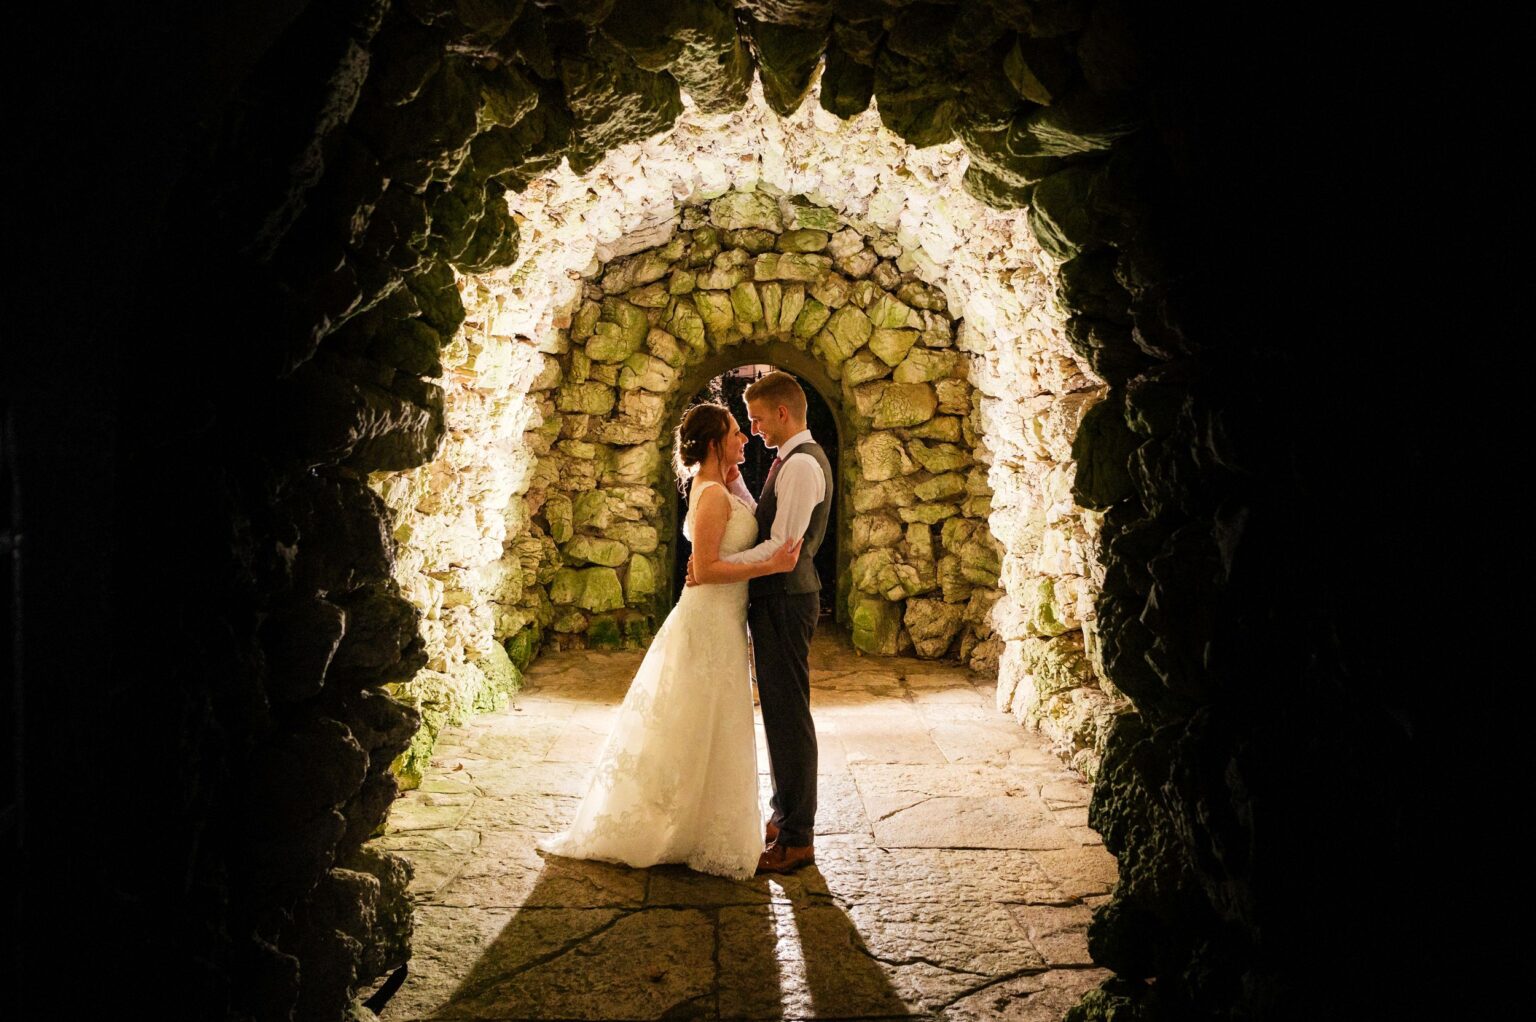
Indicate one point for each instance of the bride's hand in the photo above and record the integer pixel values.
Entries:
(787, 556)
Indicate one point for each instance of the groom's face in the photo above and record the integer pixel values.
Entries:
(765, 422)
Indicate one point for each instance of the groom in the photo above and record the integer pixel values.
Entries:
(782, 612)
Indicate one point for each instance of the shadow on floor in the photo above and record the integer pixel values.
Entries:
(670, 943)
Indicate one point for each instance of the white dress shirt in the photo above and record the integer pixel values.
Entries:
(800, 487)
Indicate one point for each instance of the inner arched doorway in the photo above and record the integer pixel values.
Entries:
(728, 389)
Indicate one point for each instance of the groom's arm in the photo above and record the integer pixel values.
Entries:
(800, 488)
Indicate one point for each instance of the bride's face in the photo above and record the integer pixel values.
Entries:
(733, 447)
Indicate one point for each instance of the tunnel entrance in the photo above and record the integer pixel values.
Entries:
(728, 389)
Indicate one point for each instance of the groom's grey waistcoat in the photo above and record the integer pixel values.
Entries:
(803, 578)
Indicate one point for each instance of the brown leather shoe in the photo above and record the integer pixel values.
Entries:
(777, 858)
(770, 833)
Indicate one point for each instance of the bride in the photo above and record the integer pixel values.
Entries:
(676, 780)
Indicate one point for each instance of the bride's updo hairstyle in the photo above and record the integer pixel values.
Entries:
(702, 425)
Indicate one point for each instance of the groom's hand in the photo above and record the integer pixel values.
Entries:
(732, 474)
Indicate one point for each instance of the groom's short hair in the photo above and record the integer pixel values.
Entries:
(778, 388)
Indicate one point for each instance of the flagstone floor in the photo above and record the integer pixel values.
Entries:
(955, 871)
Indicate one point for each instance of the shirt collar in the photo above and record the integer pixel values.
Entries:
(804, 436)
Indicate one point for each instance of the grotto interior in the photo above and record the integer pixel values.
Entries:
(393, 304)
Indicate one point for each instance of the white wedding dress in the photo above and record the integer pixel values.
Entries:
(676, 780)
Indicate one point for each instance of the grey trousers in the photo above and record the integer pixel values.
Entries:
(782, 626)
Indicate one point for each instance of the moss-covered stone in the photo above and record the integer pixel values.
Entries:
(524, 646)
(593, 589)
(718, 314)
(706, 245)
(832, 291)
(585, 320)
(807, 268)
(812, 317)
(875, 530)
(806, 215)
(751, 240)
(863, 293)
(639, 580)
(850, 329)
(557, 513)
(637, 464)
(940, 427)
(646, 372)
(892, 346)
(923, 365)
(904, 404)
(591, 510)
(590, 398)
(928, 513)
(737, 210)
(891, 314)
(941, 487)
(687, 325)
(722, 278)
(1044, 612)
(569, 620)
(876, 624)
(803, 240)
(665, 347)
(863, 367)
(939, 457)
(746, 304)
(882, 456)
(605, 632)
(595, 550)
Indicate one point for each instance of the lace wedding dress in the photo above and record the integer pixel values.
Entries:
(676, 780)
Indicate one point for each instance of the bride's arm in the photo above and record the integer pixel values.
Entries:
(708, 529)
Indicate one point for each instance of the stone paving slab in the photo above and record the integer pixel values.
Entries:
(955, 873)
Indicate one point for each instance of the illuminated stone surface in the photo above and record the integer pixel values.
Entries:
(953, 877)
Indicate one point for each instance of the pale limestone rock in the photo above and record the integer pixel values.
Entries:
(845, 243)
(857, 264)
(933, 625)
